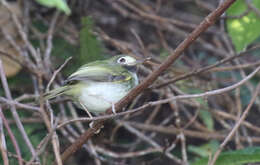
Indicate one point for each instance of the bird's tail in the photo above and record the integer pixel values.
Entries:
(56, 92)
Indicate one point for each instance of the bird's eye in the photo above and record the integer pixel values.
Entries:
(121, 60)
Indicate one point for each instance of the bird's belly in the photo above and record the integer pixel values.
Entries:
(98, 97)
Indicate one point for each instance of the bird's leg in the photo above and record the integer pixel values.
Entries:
(85, 108)
(91, 124)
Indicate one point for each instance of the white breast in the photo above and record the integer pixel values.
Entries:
(98, 97)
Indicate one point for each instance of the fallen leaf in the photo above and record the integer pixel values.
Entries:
(7, 26)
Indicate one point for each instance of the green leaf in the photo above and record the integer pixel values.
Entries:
(204, 150)
(207, 119)
(90, 47)
(243, 31)
(246, 155)
(59, 4)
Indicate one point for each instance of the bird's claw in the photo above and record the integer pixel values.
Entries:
(91, 125)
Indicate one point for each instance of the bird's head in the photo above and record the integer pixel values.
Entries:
(128, 62)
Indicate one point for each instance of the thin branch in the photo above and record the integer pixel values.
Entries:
(56, 72)
(170, 130)
(3, 148)
(252, 7)
(18, 105)
(206, 68)
(126, 155)
(12, 137)
(49, 39)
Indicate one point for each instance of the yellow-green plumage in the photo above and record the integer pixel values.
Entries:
(100, 84)
(55, 92)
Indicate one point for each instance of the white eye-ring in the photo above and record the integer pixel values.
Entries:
(126, 60)
(121, 60)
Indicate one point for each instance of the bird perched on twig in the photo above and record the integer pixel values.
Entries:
(98, 85)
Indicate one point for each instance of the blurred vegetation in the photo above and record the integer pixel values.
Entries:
(77, 35)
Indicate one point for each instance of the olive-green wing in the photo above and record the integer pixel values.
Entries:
(98, 73)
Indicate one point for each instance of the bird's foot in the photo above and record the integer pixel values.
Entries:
(91, 125)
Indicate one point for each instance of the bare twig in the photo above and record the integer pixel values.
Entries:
(252, 7)
(12, 137)
(56, 72)
(3, 148)
(170, 130)
(207, 68)
(49, 39)
(126, 155)
(18, 105)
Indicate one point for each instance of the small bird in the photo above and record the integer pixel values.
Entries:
(98, 85)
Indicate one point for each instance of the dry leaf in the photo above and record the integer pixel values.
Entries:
(6, 24)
